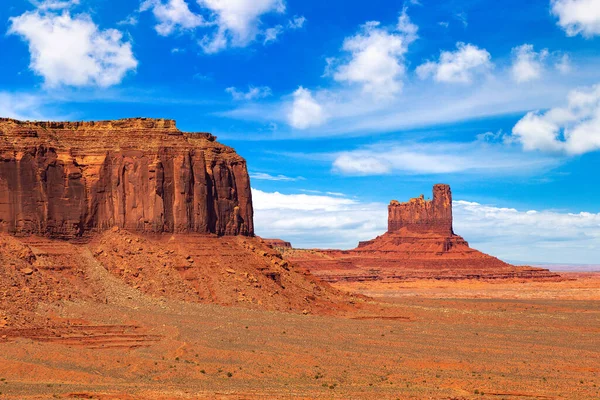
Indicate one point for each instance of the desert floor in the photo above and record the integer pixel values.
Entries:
(423, 339)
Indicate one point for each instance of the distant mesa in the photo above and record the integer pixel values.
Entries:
(420, 244)
(278, 243)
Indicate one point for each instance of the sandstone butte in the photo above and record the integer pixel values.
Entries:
(166, 212)
(66, 179)
(420, 244)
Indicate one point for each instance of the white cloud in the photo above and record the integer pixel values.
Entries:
(459, 66)
(306, 112)
(297, 22)
(377, 57)
(361, 164)
(21, 106)
(237, 21)
(349, 112)
(271, 34)
(253, 93)
(574, 129)
(172, 15)
(527, 64)
(578, 16)
(310, 221)
(406, 27)
(438, 158)
(317, 221)
(131, 20)
(261, 176)
(534, 236)
(72, 51)
(564, 64)
(462, 18)
(55, 4)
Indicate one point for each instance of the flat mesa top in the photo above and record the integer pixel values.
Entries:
(125, 123)
(138, 133)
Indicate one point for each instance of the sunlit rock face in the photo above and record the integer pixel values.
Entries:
(64, 179)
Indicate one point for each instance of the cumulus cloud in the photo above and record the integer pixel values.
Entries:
(377, 57)
(578, 17)
(527, 64)
(172, 15)
(253, 93)
(320, 221)
(437, 158)
(72, 50)
(458, 66)
(305, 112)
(574, 129)
(261, 176)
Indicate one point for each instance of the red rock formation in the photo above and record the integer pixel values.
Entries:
(419, 215)
(420, 244)
(64, 179)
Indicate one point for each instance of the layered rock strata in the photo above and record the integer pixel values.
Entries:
(65, 179)
(420, 215)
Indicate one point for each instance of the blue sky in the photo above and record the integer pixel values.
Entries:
(340, 106)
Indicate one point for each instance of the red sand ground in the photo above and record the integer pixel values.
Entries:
(104, 333)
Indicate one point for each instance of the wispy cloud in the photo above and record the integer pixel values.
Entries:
(268, 177)
(25, 106)
(253, 93)
(346, 111)
(478, 157)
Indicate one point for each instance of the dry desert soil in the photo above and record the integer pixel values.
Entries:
(415, 340)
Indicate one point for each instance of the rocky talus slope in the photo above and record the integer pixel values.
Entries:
(97, 211)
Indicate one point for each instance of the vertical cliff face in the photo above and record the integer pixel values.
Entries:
(422, 216)
(65, 179)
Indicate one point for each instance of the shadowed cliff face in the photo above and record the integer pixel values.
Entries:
(421, 216)
(63, 179)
